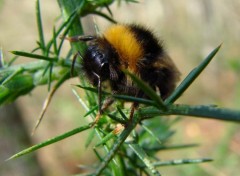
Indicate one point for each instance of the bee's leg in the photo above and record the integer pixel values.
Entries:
(113, 73)
(129, 90)
(104, 106)
(107, 102)
(134, 106)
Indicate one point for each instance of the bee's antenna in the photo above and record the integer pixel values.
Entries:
(74, 61)
(78, 38)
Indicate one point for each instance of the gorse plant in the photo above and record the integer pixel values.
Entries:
(120, 148)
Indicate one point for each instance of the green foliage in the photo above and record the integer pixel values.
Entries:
(126, 150)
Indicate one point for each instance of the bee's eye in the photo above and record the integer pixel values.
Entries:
(100, 58)
(99, 55)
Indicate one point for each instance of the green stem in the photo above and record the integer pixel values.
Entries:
(117, 145)
(51, 141)
(40, 27)
(68, 8)
(196, 111)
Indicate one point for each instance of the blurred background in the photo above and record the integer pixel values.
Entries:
(190, 30)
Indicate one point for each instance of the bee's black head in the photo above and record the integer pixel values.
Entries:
(96, 60)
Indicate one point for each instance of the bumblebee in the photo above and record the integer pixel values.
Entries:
(132, 48)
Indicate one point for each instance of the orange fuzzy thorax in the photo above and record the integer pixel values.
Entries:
(126, 44)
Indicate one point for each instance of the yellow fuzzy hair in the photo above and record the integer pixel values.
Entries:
(126, 44)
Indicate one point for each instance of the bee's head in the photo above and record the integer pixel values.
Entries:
(96, 60)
